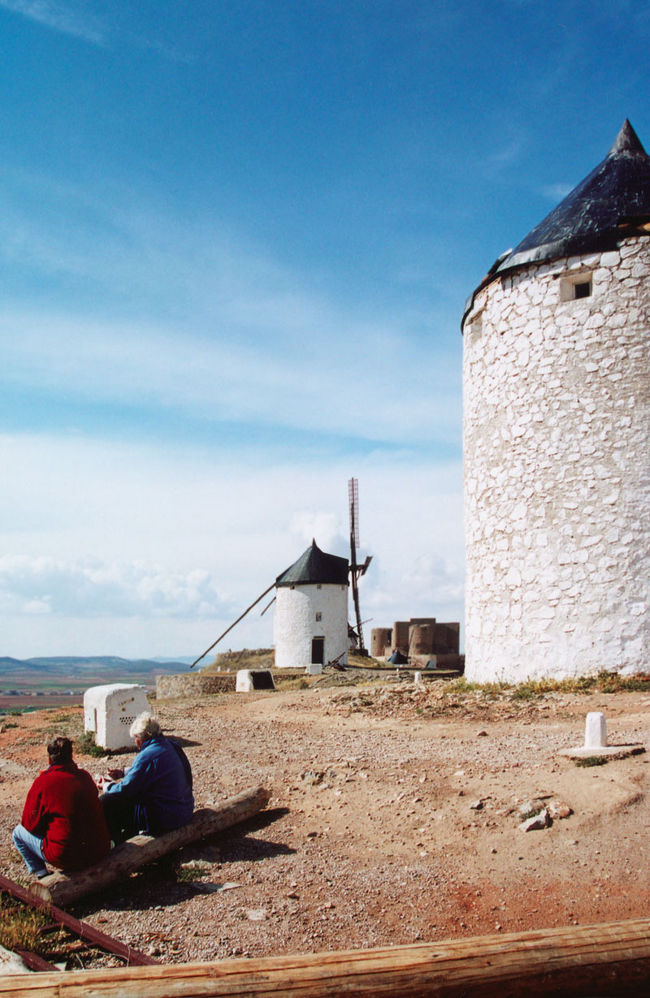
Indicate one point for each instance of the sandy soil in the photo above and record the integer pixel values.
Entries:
(393, 819)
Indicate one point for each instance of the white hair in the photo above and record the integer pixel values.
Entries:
(145, 726)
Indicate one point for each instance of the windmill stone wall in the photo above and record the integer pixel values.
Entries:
(557, 469)
(303, 613)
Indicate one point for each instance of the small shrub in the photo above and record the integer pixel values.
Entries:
(9, 724)
(189, 872)
(493, 690)
(591, 760)
(86, 745)
(526, 691)
(637, 684)
(489, 691)
(612, 682)
(461, 685)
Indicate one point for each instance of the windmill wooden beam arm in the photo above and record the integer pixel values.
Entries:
(234, 624)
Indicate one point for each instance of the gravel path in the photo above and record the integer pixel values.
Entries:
(393, 818)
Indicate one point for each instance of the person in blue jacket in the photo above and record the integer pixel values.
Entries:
(155, 794)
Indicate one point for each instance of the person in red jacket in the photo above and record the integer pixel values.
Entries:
(63, 823)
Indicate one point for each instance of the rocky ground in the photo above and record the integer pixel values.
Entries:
(394, 817)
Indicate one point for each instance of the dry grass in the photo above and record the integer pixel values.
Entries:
(231, 661)
(21, 927)
(604, 682)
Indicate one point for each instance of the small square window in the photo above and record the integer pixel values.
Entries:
(319, 615)
(576, 286)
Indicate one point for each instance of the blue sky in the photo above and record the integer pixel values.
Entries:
(235, 243)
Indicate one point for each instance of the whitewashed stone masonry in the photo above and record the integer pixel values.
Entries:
(557, 471)
(303, 612)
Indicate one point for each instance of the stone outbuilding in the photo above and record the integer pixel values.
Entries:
(556, 437)
(311, 612)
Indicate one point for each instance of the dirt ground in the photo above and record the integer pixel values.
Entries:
(393, 818)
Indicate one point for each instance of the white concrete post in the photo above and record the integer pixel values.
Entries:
(595, 730)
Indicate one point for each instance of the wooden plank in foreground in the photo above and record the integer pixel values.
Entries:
(62, 889)
(608, 959)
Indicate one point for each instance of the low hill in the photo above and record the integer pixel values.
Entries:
(74, 669)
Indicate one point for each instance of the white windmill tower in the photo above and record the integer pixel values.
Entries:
(311, 612)
(556, 434)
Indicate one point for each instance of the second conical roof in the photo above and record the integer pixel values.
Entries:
(315, 566)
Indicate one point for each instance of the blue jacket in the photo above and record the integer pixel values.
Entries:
(160, 785)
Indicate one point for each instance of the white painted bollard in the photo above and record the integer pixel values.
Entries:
(254, 679)
(417, 677)
(595, 730)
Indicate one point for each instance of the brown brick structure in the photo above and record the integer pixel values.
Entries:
(421, 639)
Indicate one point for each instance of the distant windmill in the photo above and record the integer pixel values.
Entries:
(356, 570)
(317, 580)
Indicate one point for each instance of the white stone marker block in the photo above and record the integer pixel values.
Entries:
(254, 679)
(244, 683)
(595, 730)
(417, 677)
(109, 712)
(313, 669)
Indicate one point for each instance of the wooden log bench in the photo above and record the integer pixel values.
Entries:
(608, 959)
(62, 889)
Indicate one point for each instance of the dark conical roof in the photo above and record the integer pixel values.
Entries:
(587, 220)
(605, 207)
(314, 566)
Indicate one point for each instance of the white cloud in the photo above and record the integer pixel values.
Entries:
(506, 153)
(556, 192)
(96, 588)
(344, 384)
(325, 528)
(69, 18)
(167, 546)
(230, 333)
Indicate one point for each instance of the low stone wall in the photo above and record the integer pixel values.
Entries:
(191, 684)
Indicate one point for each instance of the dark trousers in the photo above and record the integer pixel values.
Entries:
(123, 817)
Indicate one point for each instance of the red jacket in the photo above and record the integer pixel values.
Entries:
(63, 809)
